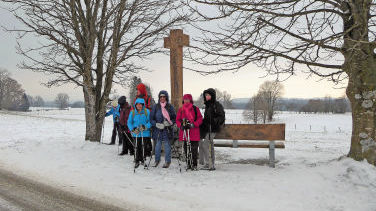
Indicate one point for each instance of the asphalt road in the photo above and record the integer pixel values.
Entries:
(18, 193)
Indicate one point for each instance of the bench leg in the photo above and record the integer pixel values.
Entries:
(272, 154)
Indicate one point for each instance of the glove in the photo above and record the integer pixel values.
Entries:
(142, 127)
(175, 128)
(136, 131)
(187, 124)
(116, 119)
(166, 123)
(160, 126)
(191, 125)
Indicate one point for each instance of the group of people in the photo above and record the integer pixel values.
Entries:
(139, 124)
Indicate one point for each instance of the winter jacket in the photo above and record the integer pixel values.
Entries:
(156, 116)
(144, 95)
(190, 115)
(115, 113)
(136, 119)
(124, 115)
(214, 115)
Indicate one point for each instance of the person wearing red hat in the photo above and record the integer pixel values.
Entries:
(189, 118)
(142, 93)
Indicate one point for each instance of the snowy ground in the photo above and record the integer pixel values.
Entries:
(311, 173)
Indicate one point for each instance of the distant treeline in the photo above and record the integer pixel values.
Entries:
(317, 105)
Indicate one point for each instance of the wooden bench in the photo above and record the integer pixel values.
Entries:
(254, 133)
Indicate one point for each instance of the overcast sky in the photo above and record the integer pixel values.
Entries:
(242, 84)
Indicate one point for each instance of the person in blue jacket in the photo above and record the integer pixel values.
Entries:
(139, 125)
(115, 112)
(163, 118)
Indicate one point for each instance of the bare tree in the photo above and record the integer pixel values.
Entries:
(38, 101)
(334, 39)
(92, 43)
(224, 98)
(227, 101)
(12, 96)
(200, 102)
(62, 100)
(255, 110)
(270, 92)
(4, 75)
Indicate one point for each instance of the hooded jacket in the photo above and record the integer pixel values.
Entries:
(115, 113)
(189, 114)
(214, 115)
(156, 116)
(136, 119)
(144, 95)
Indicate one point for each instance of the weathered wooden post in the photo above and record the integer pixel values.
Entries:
(175, 42)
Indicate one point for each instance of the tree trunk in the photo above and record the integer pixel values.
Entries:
(360, 66)
(94, 117)
(362, 94)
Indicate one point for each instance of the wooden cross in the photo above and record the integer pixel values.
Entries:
(175, 43)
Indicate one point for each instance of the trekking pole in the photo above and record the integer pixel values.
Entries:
(190, 150)
(142, 145)
(151, 155)
(135, 154)
(210, 149)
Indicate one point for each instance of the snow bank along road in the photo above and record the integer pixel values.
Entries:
(311, 174)
(18, 193)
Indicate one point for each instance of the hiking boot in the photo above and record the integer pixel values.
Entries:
(123, 153)
(136, 165)
(205, 167)
(166, 165)
(194, 168)
(156, 163)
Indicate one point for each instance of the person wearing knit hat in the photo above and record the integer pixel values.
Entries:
(189, 118)
(126, 135)
(114, 111)
(142, 93)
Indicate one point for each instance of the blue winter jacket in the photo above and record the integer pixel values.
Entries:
(139, 118)
(156, 116)
(115, 112)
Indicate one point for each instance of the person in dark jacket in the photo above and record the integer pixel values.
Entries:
(114, 111)
(214, 118)
(125, 134)
(163, 118)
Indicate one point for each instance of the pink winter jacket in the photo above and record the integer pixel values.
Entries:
(189, 114)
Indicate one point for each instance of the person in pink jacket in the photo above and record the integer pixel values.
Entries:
(189, 116)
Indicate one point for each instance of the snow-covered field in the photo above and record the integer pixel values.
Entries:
(311, 174)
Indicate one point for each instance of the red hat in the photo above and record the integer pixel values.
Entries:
(188, 97)
(142, 88)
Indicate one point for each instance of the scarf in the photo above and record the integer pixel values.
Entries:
(188, 109)
(165, 113)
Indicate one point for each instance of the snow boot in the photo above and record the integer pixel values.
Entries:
(156, 163)
(166, 165)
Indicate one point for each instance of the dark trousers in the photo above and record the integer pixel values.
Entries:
(128, 142)
(145, 151)
(115, 131)
(194, 150)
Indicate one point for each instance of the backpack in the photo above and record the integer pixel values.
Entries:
(134, 112)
